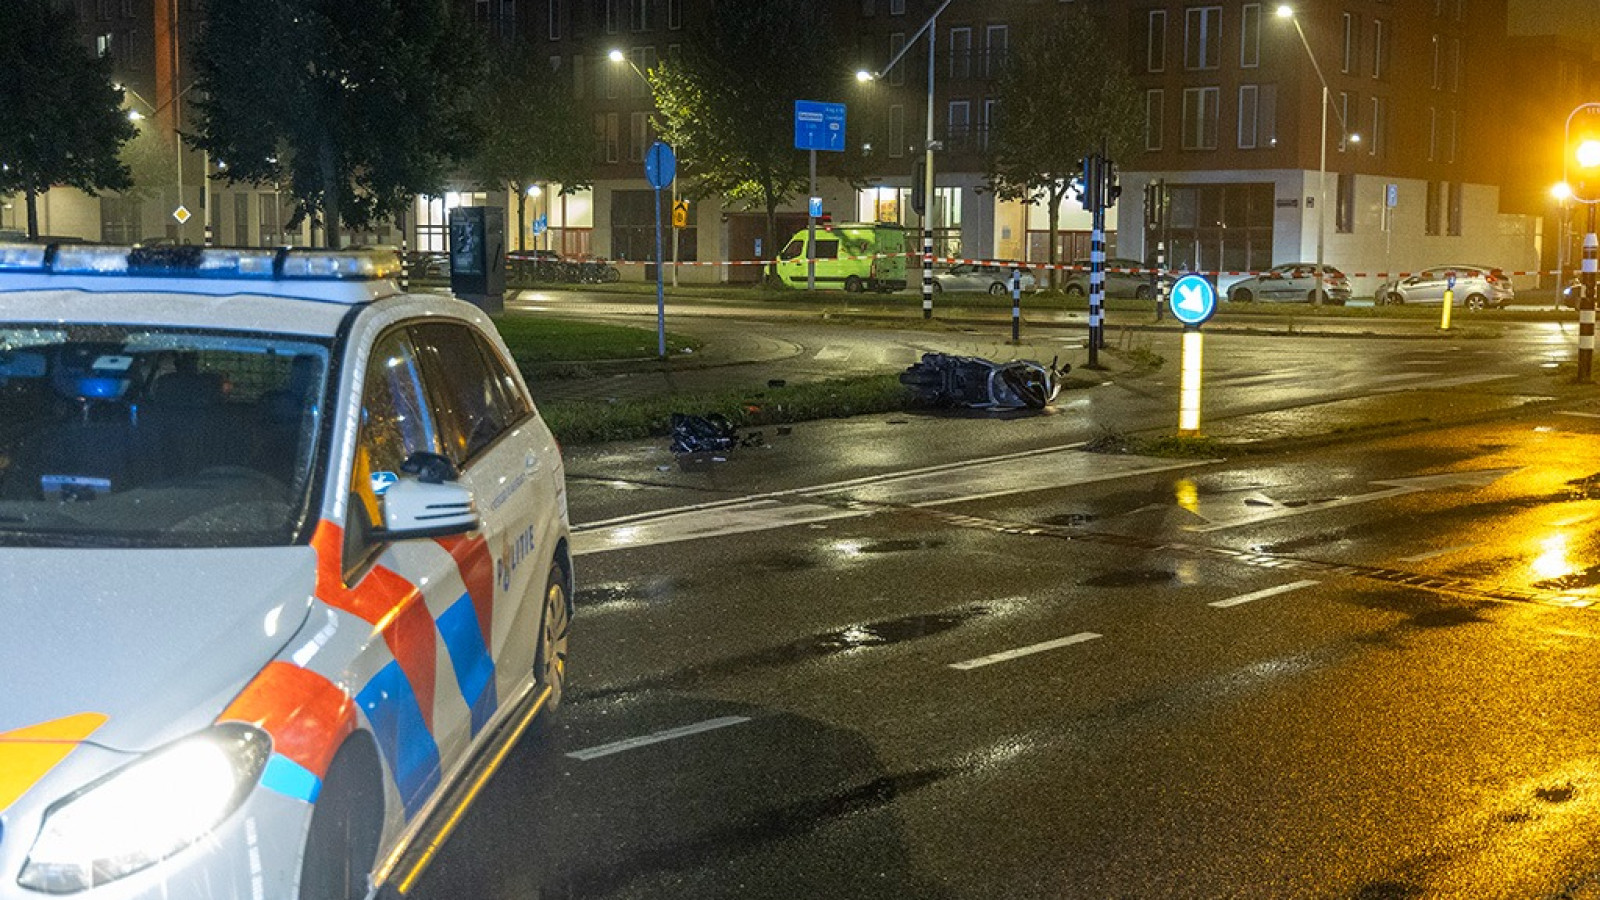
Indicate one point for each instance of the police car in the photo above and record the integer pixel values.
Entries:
(284, 571)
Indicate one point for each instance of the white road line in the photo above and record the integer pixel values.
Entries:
(1024, 651)
(1434, 554)
(821, 488)
(671, 734)
(1581, 415)
(1263, 594)
(1434, 383)
(831, 353)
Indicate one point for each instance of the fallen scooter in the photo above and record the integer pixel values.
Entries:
(940, 379)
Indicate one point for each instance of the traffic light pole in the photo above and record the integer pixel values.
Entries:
(1586, 305)
(1097, 280)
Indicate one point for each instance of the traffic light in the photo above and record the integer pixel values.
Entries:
(1582, 157)
(919, 179)
(1113, 190)
(1091, 182)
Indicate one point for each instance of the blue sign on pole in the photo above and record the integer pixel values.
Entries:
(816, 207)
(660, 165)
(1193, 300)
(818, 126)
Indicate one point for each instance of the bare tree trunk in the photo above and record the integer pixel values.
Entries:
(522, 216)
(33, 214)
(1054, 217)
(332, 199)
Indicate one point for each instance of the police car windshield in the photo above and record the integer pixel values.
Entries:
(145, 436)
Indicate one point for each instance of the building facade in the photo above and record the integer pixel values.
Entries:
(1408, 164)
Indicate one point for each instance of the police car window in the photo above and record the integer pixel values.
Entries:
(396, 421)
(473, 407)
(827, 249)
(794, 250)
(115, 435)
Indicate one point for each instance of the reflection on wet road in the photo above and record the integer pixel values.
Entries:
(1368, 670)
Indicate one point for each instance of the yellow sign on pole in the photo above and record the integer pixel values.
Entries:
(680, 214)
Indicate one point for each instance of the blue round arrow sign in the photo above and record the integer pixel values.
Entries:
(1193, 299)
(660, 165)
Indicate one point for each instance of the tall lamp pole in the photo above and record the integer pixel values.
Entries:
(1581, 166)
(928, 27)
(1285, 11)
(617, 56)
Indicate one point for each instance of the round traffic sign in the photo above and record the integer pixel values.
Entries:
(660, 165)
(1193, 300)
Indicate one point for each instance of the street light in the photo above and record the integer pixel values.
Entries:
(1285, 11)
(1561, 192)
(617, 56)
(929, 27)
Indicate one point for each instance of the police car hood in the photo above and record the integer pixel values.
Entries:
(157, 641)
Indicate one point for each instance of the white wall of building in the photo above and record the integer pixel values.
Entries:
(1376, 243)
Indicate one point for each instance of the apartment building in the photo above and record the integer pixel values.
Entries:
(1415, 150)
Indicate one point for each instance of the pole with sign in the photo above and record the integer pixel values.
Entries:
(660, 167)
(817, 126)
(1194, 301)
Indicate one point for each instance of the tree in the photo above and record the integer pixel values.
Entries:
(533, 131)
(1064, 94)
(354, 108)
(727, 103)
(61, 118)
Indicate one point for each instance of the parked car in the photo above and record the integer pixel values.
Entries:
(287, 570)
(1292, 283)
(1120, 281)
(992, 277)
(427, 264)
(1476, 287)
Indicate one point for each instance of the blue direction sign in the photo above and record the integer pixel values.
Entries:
(818, 126)
(1194, 300)
(660, 165)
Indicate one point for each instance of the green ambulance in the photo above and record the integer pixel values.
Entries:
(856, 256)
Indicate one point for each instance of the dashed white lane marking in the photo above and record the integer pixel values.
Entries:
(830, 353)
(1433, 383)
(671, 734)
(1435, 554)
(1581, 415)
(1024, 651)
(1032, 470)
(1263, 594)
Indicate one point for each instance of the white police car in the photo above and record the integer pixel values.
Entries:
(284, 569)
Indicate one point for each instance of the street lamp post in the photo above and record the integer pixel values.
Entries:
(928, 27)
(1562, 193)
(617, 56)
(1285, 11)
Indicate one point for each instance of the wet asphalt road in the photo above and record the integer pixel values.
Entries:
(1317, 674)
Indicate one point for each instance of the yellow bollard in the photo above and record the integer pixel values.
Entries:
(1449, 301)
(1189, 385)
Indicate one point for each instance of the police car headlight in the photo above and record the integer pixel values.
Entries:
(147, 810)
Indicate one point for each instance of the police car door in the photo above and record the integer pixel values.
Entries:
(505, 456)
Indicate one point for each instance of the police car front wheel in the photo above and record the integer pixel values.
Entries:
(346, 824)
(554, 629)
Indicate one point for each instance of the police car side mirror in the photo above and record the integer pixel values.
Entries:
(415, 508)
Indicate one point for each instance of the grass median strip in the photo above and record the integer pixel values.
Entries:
(622, 418)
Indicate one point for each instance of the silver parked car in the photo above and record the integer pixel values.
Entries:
(1292, 283)
(1124, 278)
(1476, 287)
(992, 277)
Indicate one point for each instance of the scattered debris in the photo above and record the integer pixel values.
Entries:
(710, 433)
(944, 380)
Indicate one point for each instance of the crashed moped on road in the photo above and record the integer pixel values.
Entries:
(941, 379)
